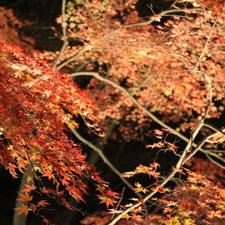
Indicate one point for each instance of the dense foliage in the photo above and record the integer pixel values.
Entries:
(164, 70)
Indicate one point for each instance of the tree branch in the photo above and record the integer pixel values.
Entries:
(103, 157)
(143, 109)
(155, 17)
(182, 160)
(85, 49)
(65, 41)
(91, 47)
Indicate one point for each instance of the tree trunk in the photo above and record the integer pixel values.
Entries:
(25, 179)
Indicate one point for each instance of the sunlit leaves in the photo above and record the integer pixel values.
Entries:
(162, 67)
(107, 196)
(150, 170)
(107, 201)
(158, 133)
(34, 106)
(48, 174)
(198, 197)
(156, 145)
(139, 188)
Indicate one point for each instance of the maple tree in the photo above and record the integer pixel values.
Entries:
(168, 65)
(36, 112)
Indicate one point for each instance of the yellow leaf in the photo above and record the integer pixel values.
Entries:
(126, 216)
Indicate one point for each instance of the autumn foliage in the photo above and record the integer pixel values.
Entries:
(166, 68)
(37, 105)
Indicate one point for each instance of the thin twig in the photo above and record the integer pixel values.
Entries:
(97, 76)
(119, 202)
(65, 41)
(143, 109)
(198, 147)
(103, 157)
(91, 47)
(215, 129)
(206, 45)
(213, 154)
(164, 13)
(214, 161)
(85, 49)
(182, 160)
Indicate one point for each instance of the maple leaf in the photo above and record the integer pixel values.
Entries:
(48, 174)
(33, 207)
(106, 200)
(24, 209)
(137, 217)
(44, 190)
(171, 146)
(167, 210)
(222, 193)
(158, 133)
(12, 170)
(66, 203)
(139, 188)
(156, 145)
(212, 214)
(45, 220)
(113, 194)
(24, 197)
(29, 187)
(126, 216)
(42, 203)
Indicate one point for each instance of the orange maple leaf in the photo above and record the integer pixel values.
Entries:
(24, 209)
(66, 203)
(48, 174)
(29, 188)
(106, 200)
(24, 197)
(42, 203)
(45, 220)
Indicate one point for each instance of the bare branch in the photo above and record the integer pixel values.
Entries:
(143, 109)
(182, 160)
(215, 162)
(198, 148)
(222, 132)
(65, 41)
(119, 202)
(103, 157)
(171, 175)
(85, 49)
(207, 42)
(164, 13)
